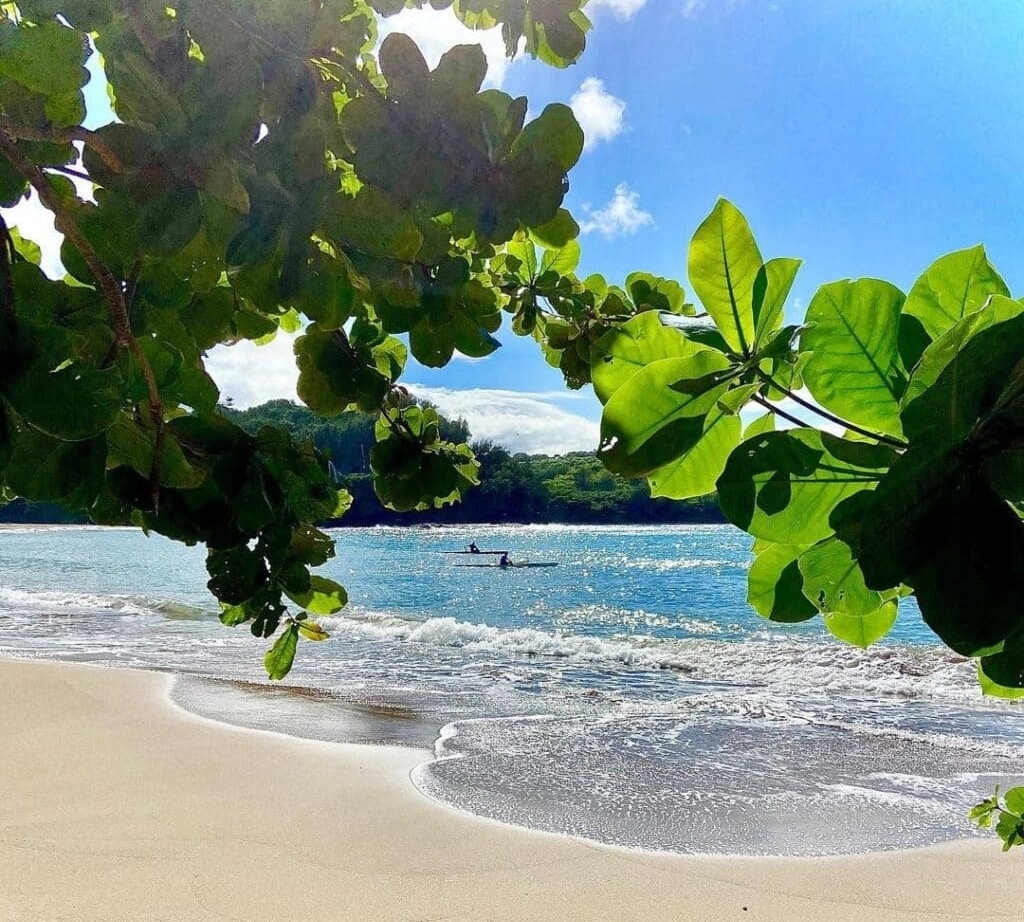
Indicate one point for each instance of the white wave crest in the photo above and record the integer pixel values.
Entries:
(450, 632)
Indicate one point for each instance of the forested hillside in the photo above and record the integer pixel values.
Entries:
(573, 488)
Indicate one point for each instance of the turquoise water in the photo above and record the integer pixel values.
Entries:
(627, 695)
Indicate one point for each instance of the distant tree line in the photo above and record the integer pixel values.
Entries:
(574, 488)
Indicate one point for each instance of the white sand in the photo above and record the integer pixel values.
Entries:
(116, 805)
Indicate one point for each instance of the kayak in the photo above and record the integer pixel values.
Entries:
(511, 566)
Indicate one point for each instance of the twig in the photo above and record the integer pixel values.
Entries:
(110, 287)
(831, 417)
(70, 171)
(66, 136)
(771, 408)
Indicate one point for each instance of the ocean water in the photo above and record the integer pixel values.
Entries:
(628, 695)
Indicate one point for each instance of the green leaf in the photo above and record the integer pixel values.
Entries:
(952, 287)
(658, 414)
(556, 132)
(325, 596)
(312, 631)
(233, 615)
(1005, 670)
(280, 657)
(772, 285)
(133, 444)
(649, 292)
(562, 260)
(624, 350)
(862, 630)
(236, 574)
(695, 471)
(724, 263)
(994, 689)
(45, 59)
(834, 583)
(1010, 828)
(942, 531)
(1014, 800)
(782, 486)
(333, 374)
(735, 399)
(557, 232)
(760, 426)
(854, 367)
(961, 374)
(46, 469)
(775, 585)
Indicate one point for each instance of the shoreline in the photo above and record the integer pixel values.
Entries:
(112, 788)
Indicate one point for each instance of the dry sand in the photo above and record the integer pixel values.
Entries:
(116, 805)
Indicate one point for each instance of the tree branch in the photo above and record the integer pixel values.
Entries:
(66, 136)
(831, 417)
(771, 408)
(111, 289)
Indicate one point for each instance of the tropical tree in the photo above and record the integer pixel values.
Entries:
(271, 167)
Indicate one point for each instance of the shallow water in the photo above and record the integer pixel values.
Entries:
(628, 695)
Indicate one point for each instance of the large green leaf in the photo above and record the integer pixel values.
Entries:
(970, 584)
(556, 132)
(46, 59)
(1006, 668)
(862, 630)
(723, 265)
(952, 287)
(325, 596)
(280, 657)
(236, 574)
(962, 374)
(938, 528)
(775, 585)
(696, 470)
(658, 414)
(834, 583)
(854, 366)
(782, 486)
(46, 469)
(333, 374)
(771, 288)
(624, 350)
(563, 259)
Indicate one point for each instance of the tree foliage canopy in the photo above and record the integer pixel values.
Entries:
(273, 168)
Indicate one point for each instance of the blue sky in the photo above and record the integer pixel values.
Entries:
(866, 137)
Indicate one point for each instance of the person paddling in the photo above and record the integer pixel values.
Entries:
(504, 562)
(473, 549)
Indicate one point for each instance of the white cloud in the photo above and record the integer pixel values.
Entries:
(624, 9)
(251, 374)
(622, 215)
(435, 31)
(601, 115)
(520, 421)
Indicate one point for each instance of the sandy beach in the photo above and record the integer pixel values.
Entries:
(116, 805)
